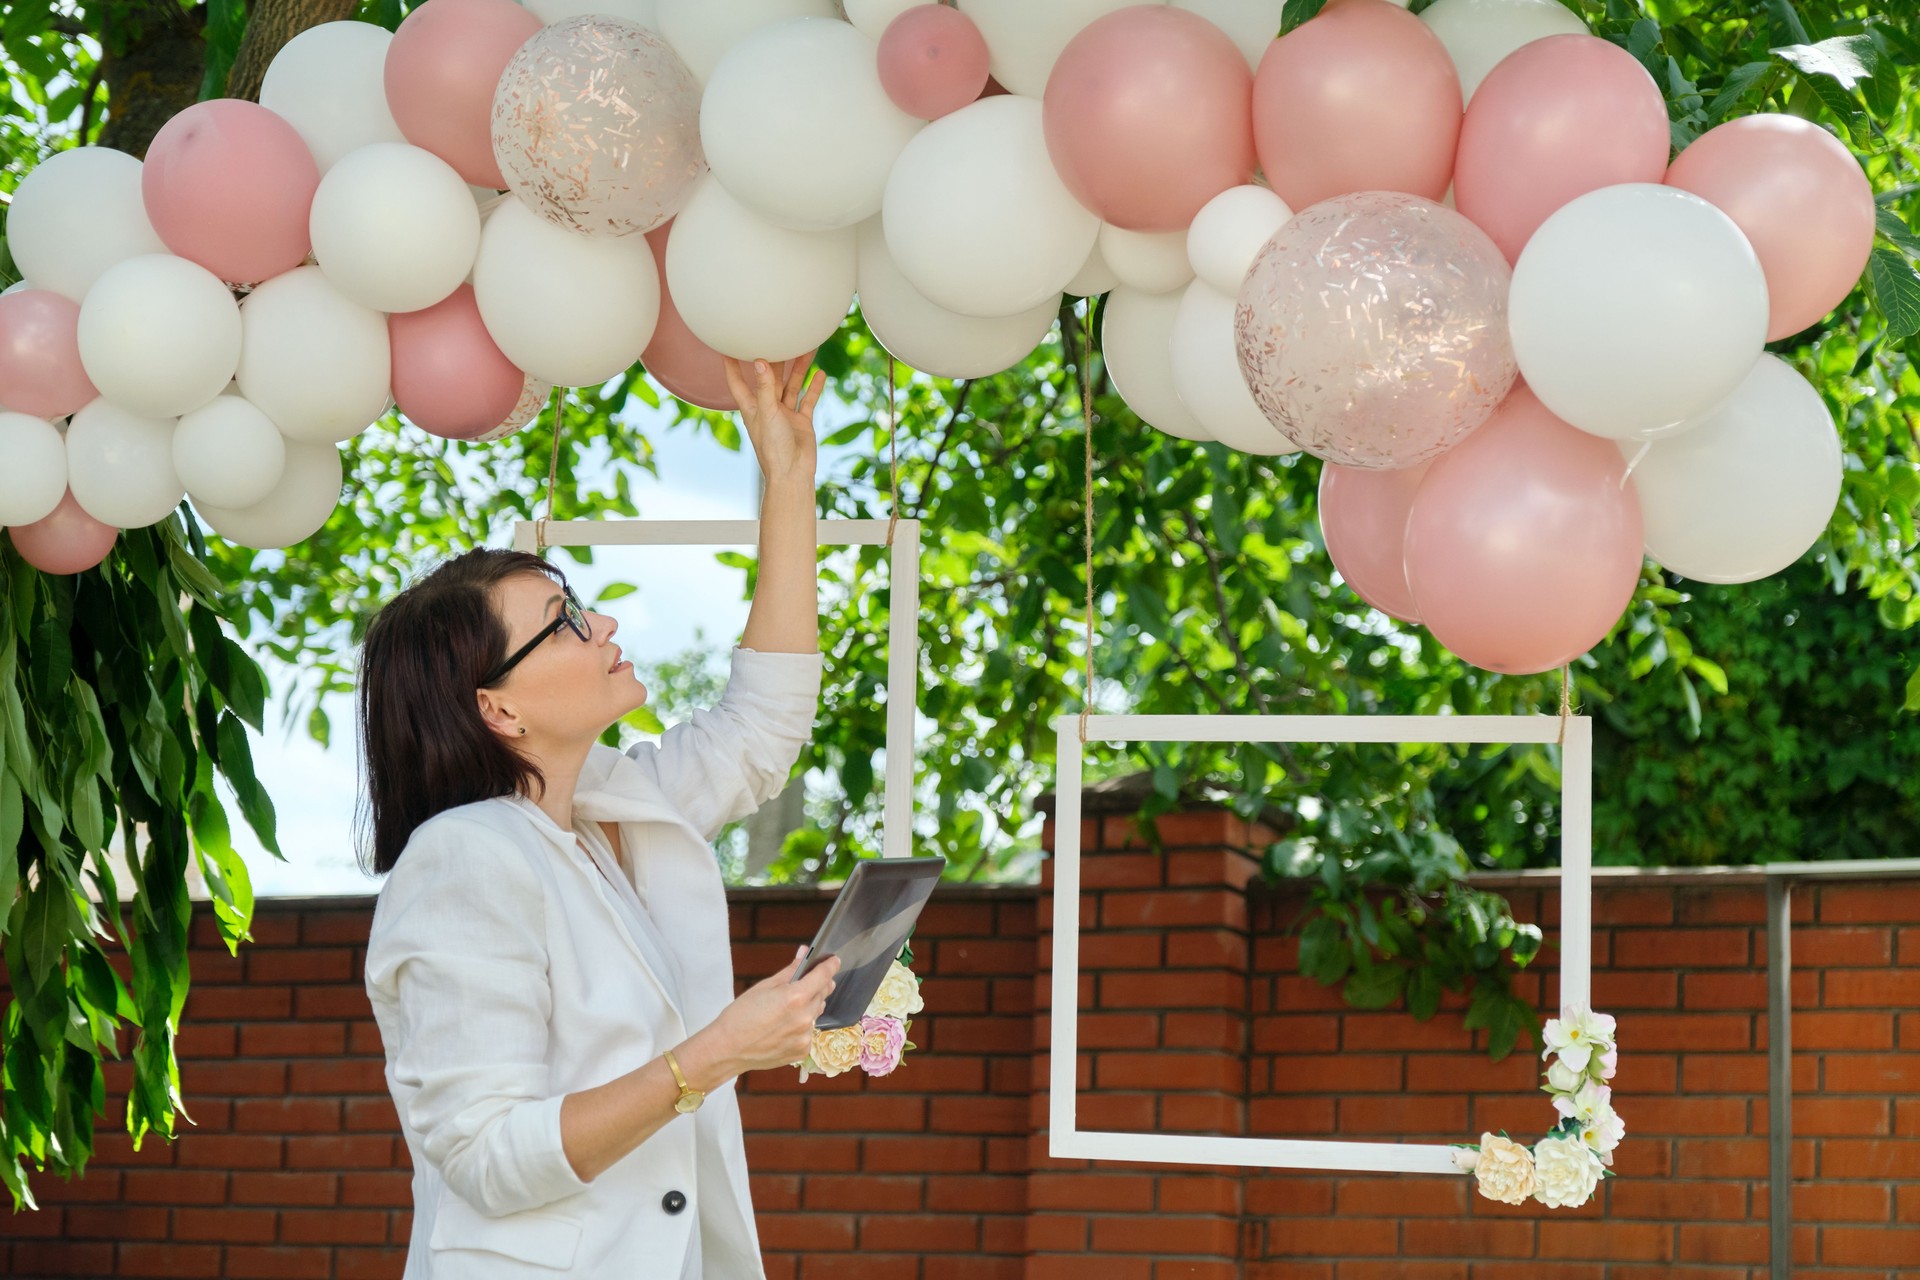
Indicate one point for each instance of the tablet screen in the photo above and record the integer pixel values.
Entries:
(866, 927)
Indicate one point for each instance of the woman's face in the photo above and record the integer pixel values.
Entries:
(567, 688)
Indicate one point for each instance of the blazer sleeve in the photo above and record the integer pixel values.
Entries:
(458, 948)
(729, 759)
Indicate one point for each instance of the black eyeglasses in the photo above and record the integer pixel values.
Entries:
(572, 615)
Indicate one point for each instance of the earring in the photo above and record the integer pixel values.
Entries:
(523, 729)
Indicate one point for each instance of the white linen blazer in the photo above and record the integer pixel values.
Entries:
(505, 973)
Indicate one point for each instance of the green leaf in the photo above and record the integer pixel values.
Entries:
(1891, 225)
(1423, 992)
(1377, 987)
(1896, 288)
(614, 591)
(1738, 84)
(1324, 955)
(1913, 690)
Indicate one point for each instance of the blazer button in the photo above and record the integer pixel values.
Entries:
(673, 1202)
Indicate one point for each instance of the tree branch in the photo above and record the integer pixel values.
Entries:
(1220, 600)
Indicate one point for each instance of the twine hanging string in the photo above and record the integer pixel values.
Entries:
(893, 445)
(1566, 701)
(553, 470)
(1086, 418)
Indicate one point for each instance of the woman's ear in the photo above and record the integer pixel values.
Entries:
(498, 717)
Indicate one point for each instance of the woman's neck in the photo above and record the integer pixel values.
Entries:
(561, 768)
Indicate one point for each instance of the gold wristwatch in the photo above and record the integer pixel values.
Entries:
(690, 1098)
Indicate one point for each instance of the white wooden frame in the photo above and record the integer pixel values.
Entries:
(1068, 1141)
(903, 619)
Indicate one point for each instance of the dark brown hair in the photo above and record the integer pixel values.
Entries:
(423, 744)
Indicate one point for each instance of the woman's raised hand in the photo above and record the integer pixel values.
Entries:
(770, 1024)
(778, 412)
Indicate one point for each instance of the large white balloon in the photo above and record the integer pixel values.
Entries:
(1151, 261)
(328, 83)
(931, 338)
(314, 362)
(1230, 230)
(1095, 277)
(1024, 37)
(752, 290)
(976, 216)
(159, 335)
(1136, 337)
(702, 31)
(1743, 493)
(394, 227)
(1479, 33)
(569, 309)
(1250, 24)
(1636, 308)
(872, 17)
(120, 465)
(228, 452)
(34, 478)
(79, 212)
(300, 503)
(1207, 377)
(552, 11)
(797, 128)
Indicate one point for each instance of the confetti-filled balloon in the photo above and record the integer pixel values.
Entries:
(596, 125)
(1372, 329)
(533, 398)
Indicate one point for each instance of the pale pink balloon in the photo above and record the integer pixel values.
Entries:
(445, 61)
(1363, 518)
(40, 371)
(1146, 115)
(932, 61)
(228, 184)
(1555, 119)
(1361, 98)
(678, 361)
(1523, 544)
(67, 541)
(448, 376)
(1803, 201)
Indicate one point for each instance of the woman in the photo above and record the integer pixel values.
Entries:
(549, 962)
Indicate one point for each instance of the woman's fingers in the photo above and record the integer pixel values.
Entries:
(796, 378)
(765, 390)
(813, 394)
(736, 383)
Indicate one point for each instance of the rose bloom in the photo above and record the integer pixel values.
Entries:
(1504, 1170)
(882, 1040)
(837, 1050)
(898, 995)
(1565, 1172)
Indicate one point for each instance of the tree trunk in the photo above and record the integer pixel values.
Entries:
(153, 74)
(270, 24)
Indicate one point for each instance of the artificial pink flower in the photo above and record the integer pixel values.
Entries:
(882, 1041)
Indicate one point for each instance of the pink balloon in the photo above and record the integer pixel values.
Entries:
(228, 184)
(448, 376)
(67, 541)
(1361, 98)
(1802, 200)
(40, 369)
(1555, 119)
(445, 61)
(1363, 518)
(932, 61)
(1146, 115)
(1524, 543)
(678, 361)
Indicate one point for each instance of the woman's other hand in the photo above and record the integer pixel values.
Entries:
(778, 412)
(770, 1024)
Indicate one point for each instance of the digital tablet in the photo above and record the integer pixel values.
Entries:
(866, 927)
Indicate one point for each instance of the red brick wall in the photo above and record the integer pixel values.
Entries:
(1193, 1020)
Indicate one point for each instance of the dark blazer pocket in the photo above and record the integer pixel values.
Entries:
(538, 1236)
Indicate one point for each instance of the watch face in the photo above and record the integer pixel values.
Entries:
(688, 1103)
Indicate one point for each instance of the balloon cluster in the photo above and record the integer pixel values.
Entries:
(496, 199)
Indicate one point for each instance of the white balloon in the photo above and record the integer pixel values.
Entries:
(1136, 337)
(1230, 230)
(1250, 24)
(1479, 33)
(1095, 277)
(872, 17)
(977, 218)
(315, 363)
(569, 309)
(1152, 261)
(1635, 308)
(329, 83)
(752, 290)
(1024, 37)
(772, 103)
(552, 11)
(120, 465)
(34, 478)
(702, 31)
(1207, 377)
(229, 453)
(394, 227)
(159, 335)
(79, 212)
(931, 338)
(300, 503)
(1743, 493)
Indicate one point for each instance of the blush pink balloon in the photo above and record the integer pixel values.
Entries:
(1555, 119)
(448, 376)
(445, 61)
(1802, 200)
(40, 371)
(1147, 116)
(1361, 98)
(932, 61)
(678, 361)
(228, 184)
(67, 541)
(1523, 543)
(1363, 518)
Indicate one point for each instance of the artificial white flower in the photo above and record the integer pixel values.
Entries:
(1602, 1129)
(1578, 1036)
(1565, 1172)
(1587, 1101)
(1465, 1158)
(898, 995)
(1504, 1170)
(1562, 1078)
